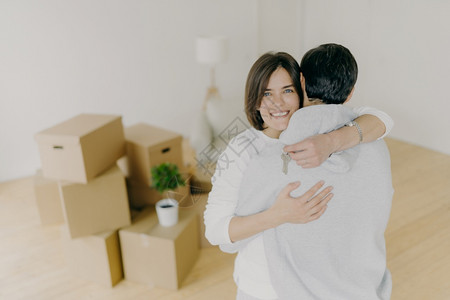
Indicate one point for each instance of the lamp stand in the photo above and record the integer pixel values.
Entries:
(212, 91)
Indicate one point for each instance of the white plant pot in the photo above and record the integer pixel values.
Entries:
(167, 211)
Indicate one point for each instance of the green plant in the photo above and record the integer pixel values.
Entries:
(166, 177)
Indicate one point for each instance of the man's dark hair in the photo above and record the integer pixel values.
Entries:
(330, 72)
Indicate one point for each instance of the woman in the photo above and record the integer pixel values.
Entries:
(272, 95)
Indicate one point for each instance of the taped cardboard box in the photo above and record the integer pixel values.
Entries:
(198, 206)
(95, 258)
(156, 255)
(201, 173)
(201, 183)
(82, 147)
(48, 200)
(141, 195)
(189, 156)
(99, 205)
(149, 146)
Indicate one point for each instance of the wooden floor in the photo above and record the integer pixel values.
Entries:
(32, 264)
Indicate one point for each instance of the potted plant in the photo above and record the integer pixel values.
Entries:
(166, 177)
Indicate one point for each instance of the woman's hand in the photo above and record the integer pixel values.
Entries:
(286, 209)
(303, 209)
(312, 151)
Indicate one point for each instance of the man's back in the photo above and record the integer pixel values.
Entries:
(342, 254)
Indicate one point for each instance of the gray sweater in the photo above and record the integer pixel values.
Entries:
(342, 254)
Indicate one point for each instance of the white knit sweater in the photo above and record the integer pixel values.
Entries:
(234, 180)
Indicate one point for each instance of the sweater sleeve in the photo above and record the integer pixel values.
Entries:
(384, 117)
(223, 198)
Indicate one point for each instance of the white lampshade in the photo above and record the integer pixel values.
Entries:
(211, 49)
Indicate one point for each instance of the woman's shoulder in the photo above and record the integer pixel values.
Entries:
(247, 141)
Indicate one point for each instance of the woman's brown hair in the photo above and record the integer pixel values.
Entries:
(258, 79)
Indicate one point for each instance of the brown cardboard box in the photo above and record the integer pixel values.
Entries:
(141, 195)
(82, 147)
(200, 183)
(96, 257)
(99, 205)
(189, 156)
(200, 174)
(156, 255)
(47, 198)
(198, 206)
(149, 146)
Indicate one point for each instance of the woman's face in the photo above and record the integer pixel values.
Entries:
(279, 102)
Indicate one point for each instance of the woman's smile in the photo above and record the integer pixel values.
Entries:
(280, 114)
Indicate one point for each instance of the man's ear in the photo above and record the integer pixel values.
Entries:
(350, 95)
(302, 81)
(306, 101)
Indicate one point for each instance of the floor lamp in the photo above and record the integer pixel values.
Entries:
(210, 50)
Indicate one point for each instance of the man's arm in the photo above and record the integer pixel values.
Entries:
(347, 137)
(313, 151)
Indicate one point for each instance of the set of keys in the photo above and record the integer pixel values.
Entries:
(286, 159)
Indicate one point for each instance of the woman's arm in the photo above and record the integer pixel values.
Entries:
(286, 209)
(223, 198)
(224, 228)
(313, 151)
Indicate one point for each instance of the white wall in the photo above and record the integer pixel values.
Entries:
(136, 58)
(279, 26)
(402, 48)
(133, 58)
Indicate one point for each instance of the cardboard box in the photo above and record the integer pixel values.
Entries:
(122, 163)
(198, 206)
(82, 147)
(141, 195)
(156, 255)
(99, 205)
(48, 200)
(189, 156)
(149, 146)
(200, 179)
(96, 257)
(200, 183)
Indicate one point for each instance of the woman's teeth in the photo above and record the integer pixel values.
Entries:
(279, 114)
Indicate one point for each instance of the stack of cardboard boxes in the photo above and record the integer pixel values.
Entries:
(85, 188)
(153, 254)
(82, 183)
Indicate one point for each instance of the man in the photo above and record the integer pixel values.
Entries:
(341, 255)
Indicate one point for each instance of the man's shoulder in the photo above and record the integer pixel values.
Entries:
(316, 119)
(324, 111)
